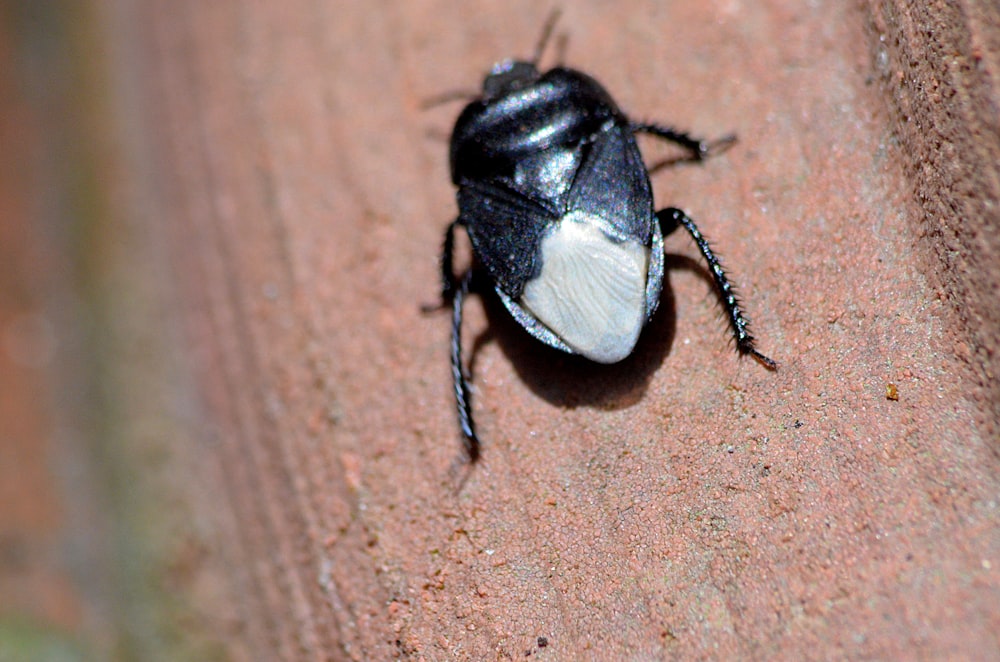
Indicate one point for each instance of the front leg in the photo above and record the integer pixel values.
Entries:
(700, 149)
(669, 220)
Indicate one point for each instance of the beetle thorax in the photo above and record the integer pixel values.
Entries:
(591, 291)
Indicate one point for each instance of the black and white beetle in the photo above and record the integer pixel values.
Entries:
(556, 201)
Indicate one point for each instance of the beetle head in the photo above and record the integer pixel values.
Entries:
(512, 75)
(509, 76)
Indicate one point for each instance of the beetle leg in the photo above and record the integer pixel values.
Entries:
(448, 280)
(669, 219)
(447, 267)
(462, 399)
(700, 149)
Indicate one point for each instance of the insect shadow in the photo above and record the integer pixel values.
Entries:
(569, 380)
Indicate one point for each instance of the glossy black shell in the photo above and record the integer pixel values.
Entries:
(534, 148)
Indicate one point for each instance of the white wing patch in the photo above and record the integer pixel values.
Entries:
(592, 291)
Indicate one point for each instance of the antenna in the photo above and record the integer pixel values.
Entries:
(550, 24)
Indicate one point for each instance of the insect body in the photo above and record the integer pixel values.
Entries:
(556, 200)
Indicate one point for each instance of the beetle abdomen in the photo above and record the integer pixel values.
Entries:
(591, 291)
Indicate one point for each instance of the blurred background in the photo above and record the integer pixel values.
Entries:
(82, 539)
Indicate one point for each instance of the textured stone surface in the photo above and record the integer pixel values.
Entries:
(681, 504)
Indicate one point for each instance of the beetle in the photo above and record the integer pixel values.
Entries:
(555, 198)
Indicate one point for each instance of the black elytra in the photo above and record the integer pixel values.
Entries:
(556, 200)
